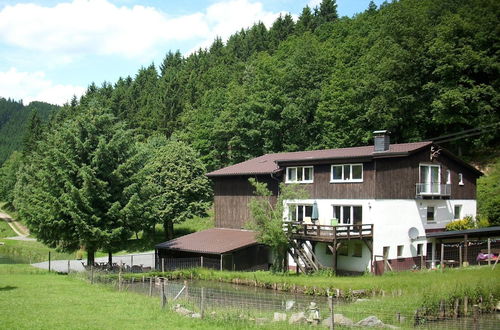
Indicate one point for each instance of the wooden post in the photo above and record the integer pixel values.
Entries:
(221, 262)
(475, 315)
(68, 267)
(334, 252)
(466, 243)
(442, 256)
(150, 286)
(489, 251)
(49, 261)
(422, 265)
(202, 307)
(460, 259)
(332, 315)
(186, 290)
(466, 305)
(131, 260)
(433, 254)
(455, 310)
(201, 261)
(441, 309)
(163, 265)
(120, 278)
(162, 294)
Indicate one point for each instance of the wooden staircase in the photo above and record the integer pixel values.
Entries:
(304, 257)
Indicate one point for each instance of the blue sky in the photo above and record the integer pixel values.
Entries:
(50, 50)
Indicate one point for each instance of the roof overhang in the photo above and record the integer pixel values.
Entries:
(471, 233)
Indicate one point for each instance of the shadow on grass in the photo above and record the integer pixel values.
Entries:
(7, 288)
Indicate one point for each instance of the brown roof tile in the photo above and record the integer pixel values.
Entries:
(212, 241)
(267, 163)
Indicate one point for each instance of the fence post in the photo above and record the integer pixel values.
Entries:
(460, 256)
(475, 316)
(150, 286)
(162, 293)
(201, 261)
(68, 268)
(49, 261)
(120, 278)
(489, 251)
(202, 307)
(163, 265)
(131, 260)
(422, 265)
(332, 315)
(221, 262)
(442, 256)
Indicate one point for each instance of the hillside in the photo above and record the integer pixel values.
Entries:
(14, 119)
(421, 69)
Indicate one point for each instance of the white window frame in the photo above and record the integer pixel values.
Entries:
(350, 179)
(433, 214)
(460, 179)
(303, 170)
(296, 206)
(351, 215)
(400, 251)
(448, 177)
(459, 212)
(429, 179)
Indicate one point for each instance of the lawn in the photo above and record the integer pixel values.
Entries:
(36, 299)
(5, 230)
(30, 251)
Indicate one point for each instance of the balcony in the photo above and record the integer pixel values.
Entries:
(324, 233)
(431, 190)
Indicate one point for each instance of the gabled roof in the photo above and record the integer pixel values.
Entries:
(212, 241)
(268, 163)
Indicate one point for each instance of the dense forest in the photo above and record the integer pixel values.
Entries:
(138, 148)
(14, 121)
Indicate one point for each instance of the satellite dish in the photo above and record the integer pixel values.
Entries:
(413, 233)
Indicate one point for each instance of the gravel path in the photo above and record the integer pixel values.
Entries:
(145, 259)
(16, 226)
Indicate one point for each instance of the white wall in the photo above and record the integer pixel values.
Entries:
(392, 218)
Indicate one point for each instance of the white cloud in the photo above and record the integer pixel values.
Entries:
(99, 27)
(34, 86)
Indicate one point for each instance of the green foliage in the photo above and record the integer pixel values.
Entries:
(8, 177)
(488, 195)
(173, 185)
(14, 123)
(462, 224)
(267, 218)
(71, 193)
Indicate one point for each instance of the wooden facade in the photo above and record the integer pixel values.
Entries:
(231, 197)
(384, 177)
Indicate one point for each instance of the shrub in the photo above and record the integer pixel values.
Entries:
(462, 224)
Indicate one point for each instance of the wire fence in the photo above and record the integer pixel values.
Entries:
(197, 299)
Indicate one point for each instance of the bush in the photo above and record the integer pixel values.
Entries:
(462, 224)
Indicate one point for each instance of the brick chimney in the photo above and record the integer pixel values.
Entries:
(381, 140)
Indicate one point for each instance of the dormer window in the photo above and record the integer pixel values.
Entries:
(347, 173)
(300, 174)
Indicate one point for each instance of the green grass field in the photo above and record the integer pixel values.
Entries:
(36, 299)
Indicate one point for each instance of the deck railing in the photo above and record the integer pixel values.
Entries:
(433, 189)
(307, 230)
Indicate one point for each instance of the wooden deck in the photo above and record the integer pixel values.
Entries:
(324, 233)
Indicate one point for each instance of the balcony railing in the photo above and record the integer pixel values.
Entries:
(433, 189)
(328, 233)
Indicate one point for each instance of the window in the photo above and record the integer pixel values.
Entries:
(300, 212)
(430, 213)
(448, 177)
(385, 252)
(456, 212)
(343, 250)
(301, 174)
(400, 251)
(347, 173)
(460, 179)
(430, 179)
(420, 249)
(358, 250)
(348, 214)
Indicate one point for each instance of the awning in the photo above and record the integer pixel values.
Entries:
(212, 241)
(480, 232)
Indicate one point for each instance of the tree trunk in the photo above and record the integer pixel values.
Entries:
(90, 257)
(168, 227)
(110, 259)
